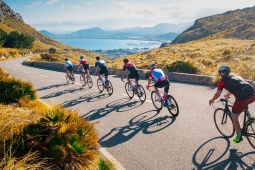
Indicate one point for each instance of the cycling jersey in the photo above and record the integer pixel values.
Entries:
(237, 86)
(84, 63)
(69, 65)
(157, 74)
(131, 67)
(103, 69)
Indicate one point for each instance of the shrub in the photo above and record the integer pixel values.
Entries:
(182, 67)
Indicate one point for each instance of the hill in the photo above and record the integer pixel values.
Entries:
(239, 24)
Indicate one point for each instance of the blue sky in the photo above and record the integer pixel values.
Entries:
(72, 15)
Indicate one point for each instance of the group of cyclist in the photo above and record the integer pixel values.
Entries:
(242, 90)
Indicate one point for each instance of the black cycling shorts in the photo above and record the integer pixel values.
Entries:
(134, 75)
(103, 71)
(86, 67)
(164, 83)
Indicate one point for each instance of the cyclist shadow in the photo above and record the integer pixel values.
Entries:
(147, 122)
(209, 155)
(91, 97)
(120, 105)
(56, 94)
(52, 86)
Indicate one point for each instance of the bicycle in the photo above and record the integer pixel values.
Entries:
(103, 84)
(70, 78)
(167, 100)
(89, 81)
(137, 89)
(223, 122)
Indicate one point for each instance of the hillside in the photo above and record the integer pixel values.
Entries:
(239, 24)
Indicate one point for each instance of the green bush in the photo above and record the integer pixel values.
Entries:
(182, 67)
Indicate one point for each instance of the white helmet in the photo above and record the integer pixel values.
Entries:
(152, 66)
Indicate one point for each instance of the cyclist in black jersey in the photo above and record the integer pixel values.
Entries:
(103, 69)
(133, 72)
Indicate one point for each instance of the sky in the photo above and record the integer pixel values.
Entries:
(72, 15)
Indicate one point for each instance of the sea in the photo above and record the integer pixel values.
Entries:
(111, 44)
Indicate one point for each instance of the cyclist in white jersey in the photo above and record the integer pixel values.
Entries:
(161, 79)
(68, 66)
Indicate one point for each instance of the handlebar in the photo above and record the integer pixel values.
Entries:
(223, 101)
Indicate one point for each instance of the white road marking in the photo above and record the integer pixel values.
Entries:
(43, 76)
(149, 101)
(25, 71)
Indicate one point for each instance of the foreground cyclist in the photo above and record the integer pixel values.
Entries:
(68, 66)
(161, 80)
(103, 69)
(133, 72)
(243, 92)
(85, 70)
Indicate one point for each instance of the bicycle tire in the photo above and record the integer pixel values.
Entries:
(158, 104)
(172, 106)
(141, 92)
(223, 123)
(67, 78)
(250, 131)
(89, 81)
(100, 86)
(130, 92)
(82, 80)
(109, 87)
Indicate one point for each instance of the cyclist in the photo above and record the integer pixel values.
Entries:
(243, 92)
(103, 69)
(133, 72)
(161, 80)
(68, 66)
(85, 70)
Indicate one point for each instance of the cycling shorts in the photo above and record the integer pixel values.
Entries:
(164, 83)
(86, 67)
(135, 75)
(239, 106)
(69, 68)
(103, 71)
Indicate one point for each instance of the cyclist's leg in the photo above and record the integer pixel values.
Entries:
(83, 75)
(166, 86)
(137, 76)
(71, 71)
(156, 89)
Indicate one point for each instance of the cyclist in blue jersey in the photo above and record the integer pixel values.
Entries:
(103, 69)
(68, 66)
(133, 72)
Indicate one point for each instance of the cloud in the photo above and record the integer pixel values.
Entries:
(51, 2)
(34, 4)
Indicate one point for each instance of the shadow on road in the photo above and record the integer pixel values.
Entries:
(120, 105)
(210, 155)
(72, 90)
(91, 97)
(147, 122)
(52, 86)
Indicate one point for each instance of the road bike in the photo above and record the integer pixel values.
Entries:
(69, 78)
(104, 84)
(88, 81)
(135, 89)
(223, 122)
(166, 100)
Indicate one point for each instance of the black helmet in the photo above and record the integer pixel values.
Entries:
(225, 69)
(66, 59)
(97, 58)
(81, 57)
(125, 60)
(152, 66)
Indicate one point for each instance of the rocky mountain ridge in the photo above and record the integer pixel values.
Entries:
(6, 11)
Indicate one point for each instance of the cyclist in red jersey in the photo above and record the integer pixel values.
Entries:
(133, 72)
(243, 92)
(85, 70)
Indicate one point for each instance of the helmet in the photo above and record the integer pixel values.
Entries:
(97, 58)
(81, 57)
(225, 69)
(152, 66)
(125, 60)
(66, 59)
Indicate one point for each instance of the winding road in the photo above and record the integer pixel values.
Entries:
(135, 133)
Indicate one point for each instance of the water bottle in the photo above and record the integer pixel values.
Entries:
(248, 114)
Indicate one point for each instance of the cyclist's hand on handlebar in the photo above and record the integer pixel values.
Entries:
(211, 102)
(147, 87)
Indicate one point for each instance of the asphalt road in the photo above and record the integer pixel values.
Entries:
(137, 135)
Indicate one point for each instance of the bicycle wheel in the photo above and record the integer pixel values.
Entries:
(130, 92)
(223, 123)
(141, 92)
(109, 87)
(100, 86)
(172, 105)
(250, 131)
(89, 81)
(83, 83)
(154, 97)
(67, 78)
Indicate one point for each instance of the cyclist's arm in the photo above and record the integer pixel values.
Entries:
(95, 70)
(64, 67)
(122, 75)
(78, 67)
(149, 82)
(227, 95)
(216, 96)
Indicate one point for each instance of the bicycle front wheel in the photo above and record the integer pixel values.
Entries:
(109, 87)
(100, 86)
(130, 92)
(141, 92)
(67, 78)
(172, 105)
(156, 100)
(89, 81)
(250, 131)
(223, 123)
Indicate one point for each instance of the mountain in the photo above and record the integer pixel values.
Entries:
(238, 24)
(156, 33)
